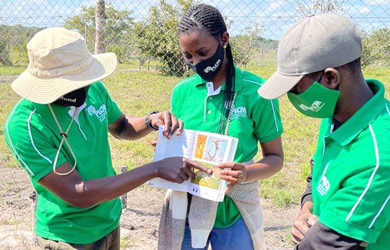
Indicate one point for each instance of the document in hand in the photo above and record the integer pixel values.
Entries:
(209, 149)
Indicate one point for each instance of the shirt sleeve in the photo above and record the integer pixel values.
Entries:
(113, 111)
(175, 102)
(267, 122)
(360, 207)
(320, 236)
(33, 149)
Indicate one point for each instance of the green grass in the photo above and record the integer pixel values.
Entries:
(12, 71)
(8, 98)
(140, 92)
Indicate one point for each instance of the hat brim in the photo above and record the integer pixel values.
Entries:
(48, 90)
(278, 84)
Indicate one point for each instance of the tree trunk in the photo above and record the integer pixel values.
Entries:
(100, 17)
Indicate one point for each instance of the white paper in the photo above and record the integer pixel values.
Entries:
(208, 149)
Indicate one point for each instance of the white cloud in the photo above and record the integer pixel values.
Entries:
(364, 9)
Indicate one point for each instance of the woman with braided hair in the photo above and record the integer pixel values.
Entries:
(221, 98)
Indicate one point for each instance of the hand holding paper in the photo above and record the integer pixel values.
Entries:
(204, 151)
(171, 125)
(233, 172)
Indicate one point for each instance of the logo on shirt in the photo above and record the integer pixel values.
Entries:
(315, 107)
(101, 113)
(238, 112)
(323, 186)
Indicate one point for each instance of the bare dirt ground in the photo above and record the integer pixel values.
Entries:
(7, 79)
(139, 222)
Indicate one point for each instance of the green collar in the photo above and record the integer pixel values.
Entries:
(58, 109)
(363, 117)
(44, 108)
(238, 84)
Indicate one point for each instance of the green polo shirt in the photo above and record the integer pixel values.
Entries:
(351, 173)
(33, 137)
(254, 119)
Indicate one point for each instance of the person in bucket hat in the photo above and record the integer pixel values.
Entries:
(58, 132)
(345, 204)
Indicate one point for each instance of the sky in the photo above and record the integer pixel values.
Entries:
(269, 17)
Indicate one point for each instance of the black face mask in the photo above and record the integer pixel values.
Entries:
(75, 98)
(209, 67)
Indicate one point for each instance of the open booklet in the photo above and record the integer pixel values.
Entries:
(209, 149)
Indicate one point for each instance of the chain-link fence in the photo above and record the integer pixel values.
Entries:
(143, 32)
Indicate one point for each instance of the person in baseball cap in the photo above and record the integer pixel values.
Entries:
(58, 132)
(345, 204)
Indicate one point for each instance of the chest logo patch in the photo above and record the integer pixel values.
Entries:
(238, 112)
(101, 113)
(323, 186)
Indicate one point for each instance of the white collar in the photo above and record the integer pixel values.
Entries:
(79, 109)
(210, 89)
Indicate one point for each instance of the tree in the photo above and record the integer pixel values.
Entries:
(119, 25)
(243, 46)
(157, 36)
(100, 9)
(142, 42)
(313, 7)
(4, 46)
(376, 47)
(14, 38)
(20, 37)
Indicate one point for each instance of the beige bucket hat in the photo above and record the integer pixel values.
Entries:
(311, 45)
(59, 63)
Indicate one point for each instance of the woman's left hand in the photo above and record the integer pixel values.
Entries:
(236, 175)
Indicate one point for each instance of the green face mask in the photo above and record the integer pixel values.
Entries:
(317, 101)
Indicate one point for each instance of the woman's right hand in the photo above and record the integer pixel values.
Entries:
(178, 169)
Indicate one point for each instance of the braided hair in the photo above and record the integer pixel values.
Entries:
(203, 16)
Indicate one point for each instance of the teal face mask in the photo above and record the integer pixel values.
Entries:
(317, 101)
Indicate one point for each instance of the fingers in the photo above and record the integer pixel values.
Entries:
(312, 219)
(300, 228)
(166, 116)
(175, 125)
(171, 124)
(183, 176)
(229, 179)
(228, 187)
(302, 224)
(227, 165)
(296, 235)
(188, 172)
(177, 180)
(196, 165)
(181, 127)
(295, 239)
(232, 173)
